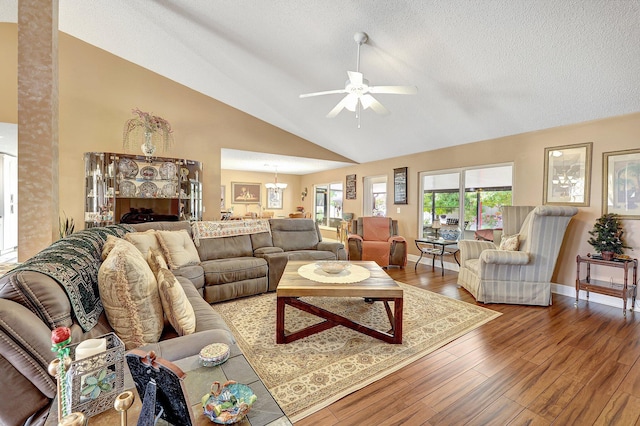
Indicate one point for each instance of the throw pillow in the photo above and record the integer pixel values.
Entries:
(156, 261)
(175, 303)
(109, 245)
(129, 294)
(510, 242)
(143, 241)
(178, 248)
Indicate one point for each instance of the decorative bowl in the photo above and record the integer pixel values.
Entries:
(228, 403)
(333, 266)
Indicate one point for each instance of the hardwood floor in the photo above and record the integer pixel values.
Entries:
(531, 366)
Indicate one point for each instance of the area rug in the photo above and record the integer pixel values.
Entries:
(311, 373)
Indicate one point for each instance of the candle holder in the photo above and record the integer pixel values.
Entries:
(94, 382)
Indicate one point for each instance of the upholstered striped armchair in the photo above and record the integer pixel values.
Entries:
(521, 276)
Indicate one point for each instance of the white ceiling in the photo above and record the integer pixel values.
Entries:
(484, 69)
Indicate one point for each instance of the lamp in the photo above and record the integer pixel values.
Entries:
(275, 184)
(436, 225)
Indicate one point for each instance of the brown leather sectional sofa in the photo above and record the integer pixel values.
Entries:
(33, 303)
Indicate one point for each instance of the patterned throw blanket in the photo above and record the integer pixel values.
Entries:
(74, 262)
(227, 228)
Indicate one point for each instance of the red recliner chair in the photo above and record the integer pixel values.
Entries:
(377, 239)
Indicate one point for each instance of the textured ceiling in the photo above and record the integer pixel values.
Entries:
(483, 69)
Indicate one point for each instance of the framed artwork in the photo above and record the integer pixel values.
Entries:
(351, 187)
(245, 193)
(621, 183)
(400, 186)
(567, 175)
(274, 198)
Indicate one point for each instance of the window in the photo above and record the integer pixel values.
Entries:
(375, 196)
(484, 191)
(328, 204)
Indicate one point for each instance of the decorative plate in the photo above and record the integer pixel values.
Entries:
(148, 190)
(184, 172)
(148, 173)
(127, 189)
(128, 168)
(169, 190)
(168, 170)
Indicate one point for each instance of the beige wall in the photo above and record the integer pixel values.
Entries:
(97, 93)
(98, 90)
(526, 152)
(291, 195)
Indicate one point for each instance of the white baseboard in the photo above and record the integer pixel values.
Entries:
(564, 290)
(426, 260)
(603, 299)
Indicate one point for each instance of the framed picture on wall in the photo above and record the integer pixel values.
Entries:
(351, 187)
(621, 183)
(274, 198)
(567, 175)
(245, 193)
(400, 186)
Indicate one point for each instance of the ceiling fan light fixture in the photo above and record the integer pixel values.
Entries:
(358, 90)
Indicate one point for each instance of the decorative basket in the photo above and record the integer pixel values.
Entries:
(93, 383)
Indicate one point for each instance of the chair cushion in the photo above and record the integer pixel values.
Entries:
(510, 242)
(376, 228)
(175, 304)
(178, 248)
(129, 294)
(473, 265)
(378, 251)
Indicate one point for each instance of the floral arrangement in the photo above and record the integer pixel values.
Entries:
(144, 126)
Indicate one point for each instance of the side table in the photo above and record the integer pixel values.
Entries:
(198, 380)
(609, 288)
(437, 247)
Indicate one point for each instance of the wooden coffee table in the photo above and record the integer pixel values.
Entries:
(378, 287)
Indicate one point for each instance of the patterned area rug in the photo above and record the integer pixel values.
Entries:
(309, 374)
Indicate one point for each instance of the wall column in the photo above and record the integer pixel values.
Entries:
(37, 125)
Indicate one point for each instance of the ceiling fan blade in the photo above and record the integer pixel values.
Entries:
(369, 101)
(398, 90)
(346, 102)
(328, 92)
(355, 77)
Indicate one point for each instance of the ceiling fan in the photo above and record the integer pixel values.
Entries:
(359, 92)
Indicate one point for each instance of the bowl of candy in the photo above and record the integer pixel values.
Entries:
(333, 266)
(228, 403)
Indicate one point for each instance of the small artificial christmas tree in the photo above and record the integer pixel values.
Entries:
(606, 236)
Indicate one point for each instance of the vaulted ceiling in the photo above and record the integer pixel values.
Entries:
(484, 68)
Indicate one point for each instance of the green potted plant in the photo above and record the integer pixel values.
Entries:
(606, 236)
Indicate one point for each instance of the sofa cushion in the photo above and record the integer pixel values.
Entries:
(143, 241)
(175, 304)
(129, 294)
(223, 271)
(225, 247)
(261, 239)
(294, 234)
(178, 248)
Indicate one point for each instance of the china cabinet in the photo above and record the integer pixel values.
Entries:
(129, 188)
